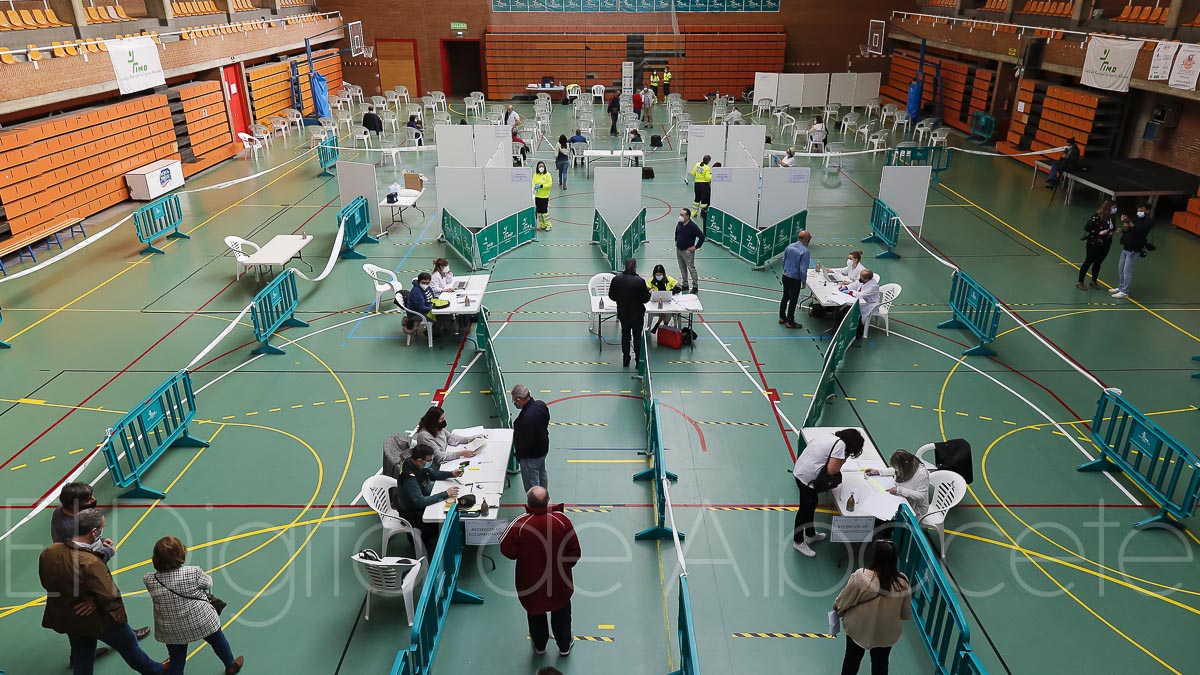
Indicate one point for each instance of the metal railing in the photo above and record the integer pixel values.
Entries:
(273, 308)
(975, 309)
(159, 216)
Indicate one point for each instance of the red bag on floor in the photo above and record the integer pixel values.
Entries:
(670, 337)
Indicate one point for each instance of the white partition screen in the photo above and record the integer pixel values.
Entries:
(507, 190)
(618, 194)
(357, 179)
(460, 191)
(791, 89)
(493, 143)
(704, 139)
(841, 88)
(784, 192)
(745, 145)
(766, 85)
(735, 191)
(906, 190)
(455, 145)
(866, 87)
(816, 90)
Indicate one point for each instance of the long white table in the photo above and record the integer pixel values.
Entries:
(278, 251)
(826, 292)
(684, 304)
(466, 300)
(871, 498)
(590, 156)
(483, 476)
(404, 199)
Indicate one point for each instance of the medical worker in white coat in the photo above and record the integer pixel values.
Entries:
(853, 267)
(866, 289)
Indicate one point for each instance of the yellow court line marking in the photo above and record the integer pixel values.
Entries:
(39, 402)
(1054, 253)
(606, 626)
(150, 255)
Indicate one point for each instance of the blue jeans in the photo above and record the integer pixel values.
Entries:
(220, 645)
(533, 472)
(1125, 269)
(123, 641)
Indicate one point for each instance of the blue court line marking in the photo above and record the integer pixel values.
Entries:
(411, 248)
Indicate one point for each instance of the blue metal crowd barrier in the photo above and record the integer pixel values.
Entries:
(689, 653)
(144, 434)
(885, 229)
(938, 617)
(983, 127)
(3, 344)
(1153, 459)
(975, 309)
(327, 155)
(440, 589)
(275, 307)
(356, 218)
(968, 664)
(159, 216)
(656, 473)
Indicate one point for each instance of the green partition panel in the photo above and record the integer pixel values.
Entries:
(602, 234)
(487, 243)
(460, 239)
(834, 355)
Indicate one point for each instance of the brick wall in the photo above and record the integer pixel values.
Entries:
(1179, 147)
(822, 35)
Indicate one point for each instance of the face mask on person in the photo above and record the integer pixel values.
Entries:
(541, 169)
(424, 287)
(849, 262)
(1141, 214)
(658, 277)
(442, 424)
(1113, 211)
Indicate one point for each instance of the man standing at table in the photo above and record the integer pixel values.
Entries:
(531, 437)
(544, 544)
(631, 294)
(795, 275)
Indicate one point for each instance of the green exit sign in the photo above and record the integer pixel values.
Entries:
(455, 25)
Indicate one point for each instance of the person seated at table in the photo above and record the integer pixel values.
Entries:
(912, 480)
(789, 158)
(578, 137)
(661, 281)
(524, 146)
(431, 431)
(420, 298)
(442, 278)
(734, 116)
(853, 267)
(1065, 162)
(414, 123)
(866, 289)
(512, 118)
(372, 121)
(817, 125)
(414, 492)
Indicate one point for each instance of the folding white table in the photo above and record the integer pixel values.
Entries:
(483, 476)
(590, 156)
(279, 251)
(404, 199)
(684, 304)
(871, 498)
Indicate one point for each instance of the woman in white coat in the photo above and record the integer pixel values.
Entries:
(853, 267)
(912, 480)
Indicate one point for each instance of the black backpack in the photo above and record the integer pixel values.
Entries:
(647, 172)
(656, 141)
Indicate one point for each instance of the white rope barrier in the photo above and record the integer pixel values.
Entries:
(666, 488)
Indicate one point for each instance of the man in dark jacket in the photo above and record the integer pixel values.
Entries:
(415, 492)
(372, 122)
(1065, 162)
(631, 294)
(531, 437)
(688, 239)
(544, 544)
(84, 603)
(614, 111)
(1135, 236)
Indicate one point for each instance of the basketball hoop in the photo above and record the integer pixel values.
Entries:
(369, 52)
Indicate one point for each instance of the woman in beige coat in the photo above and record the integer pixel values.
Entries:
(872, 605)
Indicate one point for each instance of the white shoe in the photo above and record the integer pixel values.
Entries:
(1115, 289)
(820, 536)
(805, 550)
(1120, 295)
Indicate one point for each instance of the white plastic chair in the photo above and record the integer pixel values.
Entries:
(393, 99)
(873, 107)
(863, 130)
(390, 577)
(293, 116)
(440, 118)
(415, 109)
(831, 112)
(402, 92)
(879, 139)
(902, 119)
(517, 156)
(849, 122)
(598, 93)
(242, 249)
(816, 139)
(364, 135)
(924, 450)
(390, 150)
(375, 494)
(833, 156)
(598, 287)
(471, 107)
(763, 107)
(391, 119)
(887, 295)
(888, 110)
(318, 134)
(279, 125)
(250, 143)
(576, 150)
(423, 322)
(439, 101)
(379, 102)
(261, 132)
(948, 488)
(412, 136)
(924, 128)
(344, 117)
(939, 136)
(386, 283)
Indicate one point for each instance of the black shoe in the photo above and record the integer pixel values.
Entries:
(794, 325)
(695, 289)
(567, 651)
(141, 633)
(625, 362)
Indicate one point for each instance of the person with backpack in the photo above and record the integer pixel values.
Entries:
(819, 469)
(876, 599)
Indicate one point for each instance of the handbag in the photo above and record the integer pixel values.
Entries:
(669, 336)
(217, 603)
(835, 618)
(826, 481)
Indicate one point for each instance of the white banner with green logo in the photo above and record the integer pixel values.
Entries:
(1109, 63)
(136, 64)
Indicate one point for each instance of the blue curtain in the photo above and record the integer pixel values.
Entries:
(320, 93)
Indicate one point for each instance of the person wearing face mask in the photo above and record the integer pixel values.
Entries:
(702, 185)
(420, 298)
(1098, 235)
(853, 266)
(1134, 236)
(542, 182)
(442, 278)
(688, 239)
(431, 431)
(631, 293)
(795, 275)
(83, 602)
(866, 289)
(414, 492)
(661, 281)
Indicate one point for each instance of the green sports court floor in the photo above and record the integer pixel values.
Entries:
(1053, 577)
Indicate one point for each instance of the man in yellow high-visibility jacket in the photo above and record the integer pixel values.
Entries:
(542, 182)
(654, 81)
(667, 81)
(702, 183)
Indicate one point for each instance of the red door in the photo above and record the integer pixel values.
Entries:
(238, 112)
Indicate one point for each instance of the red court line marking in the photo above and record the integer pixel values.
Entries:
(774, 409)
(677, 411)
(540, 297)
(314, 215)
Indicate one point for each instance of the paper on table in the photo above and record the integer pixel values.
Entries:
(470, 431)
(881, 505)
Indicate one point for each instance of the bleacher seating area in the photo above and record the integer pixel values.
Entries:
(995, 6)
(1150, 14)
(194, 8)
(30, 19)
(1048, 8)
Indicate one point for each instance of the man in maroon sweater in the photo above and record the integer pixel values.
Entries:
(543, 542)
